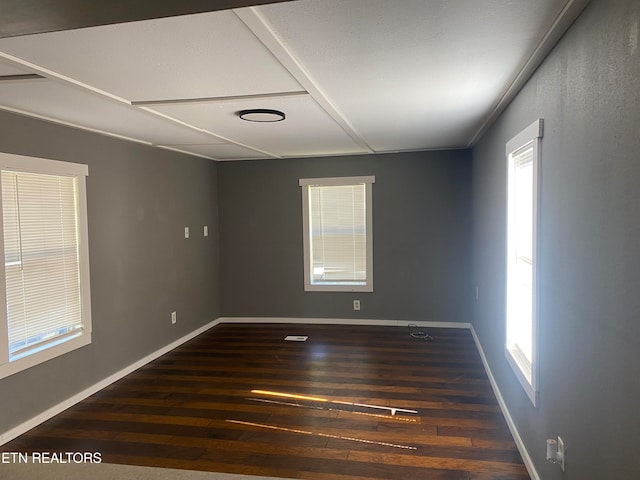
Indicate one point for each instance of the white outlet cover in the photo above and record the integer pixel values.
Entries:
(206, 231)
(186, 232)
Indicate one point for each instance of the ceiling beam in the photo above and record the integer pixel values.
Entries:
(24, 17)
(262, 30)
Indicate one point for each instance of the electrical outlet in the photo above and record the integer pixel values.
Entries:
(356, 304)
(174, 318)
(186, 232)
(206, 231)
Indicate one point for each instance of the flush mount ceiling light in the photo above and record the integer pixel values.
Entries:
(261, 115)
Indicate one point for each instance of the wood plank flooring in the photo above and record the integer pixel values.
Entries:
(240, 399)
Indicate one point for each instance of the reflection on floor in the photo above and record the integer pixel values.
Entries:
(349, 403)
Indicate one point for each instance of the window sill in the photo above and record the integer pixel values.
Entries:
(523, 376)
(45, 355)
(337, 288)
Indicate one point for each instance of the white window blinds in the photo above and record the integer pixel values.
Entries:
(42, 260)
(521, 262)
(338, 240)
(338, 233)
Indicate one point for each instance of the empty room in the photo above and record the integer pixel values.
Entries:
(320, 239)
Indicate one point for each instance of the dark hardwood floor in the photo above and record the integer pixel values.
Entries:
(240, 399)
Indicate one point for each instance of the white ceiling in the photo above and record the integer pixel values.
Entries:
(353, 77)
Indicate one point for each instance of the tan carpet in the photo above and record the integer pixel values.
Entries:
(108, 471)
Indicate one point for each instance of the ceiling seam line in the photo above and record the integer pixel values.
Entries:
(52, 75)
(73, 125)
(168, 147)
(21, 77)
(556, 30)
(173, 101)
(207, 132)
(256, 24)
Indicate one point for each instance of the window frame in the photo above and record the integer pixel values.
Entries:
(305, 183)
(525, 371)
(19, 163)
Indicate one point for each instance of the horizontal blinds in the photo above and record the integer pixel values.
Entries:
(523, 179)
(40, 222)
(520, 301)
(337, 217)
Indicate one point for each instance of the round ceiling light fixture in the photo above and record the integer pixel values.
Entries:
(261, 115)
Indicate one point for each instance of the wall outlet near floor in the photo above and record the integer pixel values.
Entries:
(356, 304)
(561, 452)
(174, 318)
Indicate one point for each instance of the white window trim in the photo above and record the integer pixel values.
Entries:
(337, 181)
(526, 374)
(53, 167)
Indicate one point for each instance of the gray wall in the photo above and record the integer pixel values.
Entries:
(588, 93)
(139, 199)
(421, 232)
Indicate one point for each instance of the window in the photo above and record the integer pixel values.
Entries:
(338, 241)
(522, 226)
(47, 310)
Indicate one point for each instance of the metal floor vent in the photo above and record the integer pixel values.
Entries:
(296, 338)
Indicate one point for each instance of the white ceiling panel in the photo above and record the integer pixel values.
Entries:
(227, 151)
(402, 72)
(191, 56)
(7, 68)
(307, 129)
(73, 105)
(353, 77)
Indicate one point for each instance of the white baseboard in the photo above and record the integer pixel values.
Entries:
(343, 321)
(62, 406)
(526, 458)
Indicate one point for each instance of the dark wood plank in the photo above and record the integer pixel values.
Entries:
(195, 408)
